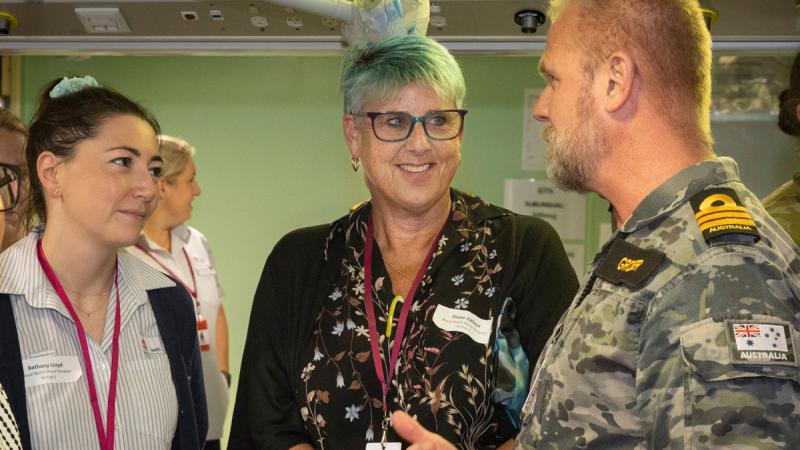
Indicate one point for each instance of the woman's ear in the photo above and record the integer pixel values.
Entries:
(162, 186)
(48, 169)
(352, 135)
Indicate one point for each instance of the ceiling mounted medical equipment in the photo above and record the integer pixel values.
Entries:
(369, 20)
(529, 20)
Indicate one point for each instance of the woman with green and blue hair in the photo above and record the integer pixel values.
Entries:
(423, 299)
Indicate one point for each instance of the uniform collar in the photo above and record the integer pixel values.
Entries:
(21, 274)
(179, 235)
(680, 188)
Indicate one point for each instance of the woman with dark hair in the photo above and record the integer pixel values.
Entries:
(97, 350)
(784, 203)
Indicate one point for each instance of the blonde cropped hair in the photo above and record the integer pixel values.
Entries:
(176, 154)
(671, 47)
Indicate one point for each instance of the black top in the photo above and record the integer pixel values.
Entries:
(495, 287)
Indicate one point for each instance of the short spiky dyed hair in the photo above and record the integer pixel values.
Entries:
(377, 71)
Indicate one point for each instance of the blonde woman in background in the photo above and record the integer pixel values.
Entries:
(182, 252)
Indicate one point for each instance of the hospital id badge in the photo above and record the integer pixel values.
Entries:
(384, 446)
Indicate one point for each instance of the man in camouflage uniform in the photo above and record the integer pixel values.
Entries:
(685, 334)
(784, 206)
(784, 203)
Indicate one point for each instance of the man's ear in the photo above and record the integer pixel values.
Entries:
(352, 135)
(47, 168)
(619, 73)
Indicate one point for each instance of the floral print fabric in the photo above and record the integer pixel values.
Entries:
(467, 391)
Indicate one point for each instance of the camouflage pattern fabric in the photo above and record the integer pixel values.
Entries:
(784, 206)
(662, 361)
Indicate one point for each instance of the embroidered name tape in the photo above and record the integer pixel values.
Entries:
(719, 212)
(755, 342)
(628, 264)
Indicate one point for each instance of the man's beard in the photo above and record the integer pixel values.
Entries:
(573, 155)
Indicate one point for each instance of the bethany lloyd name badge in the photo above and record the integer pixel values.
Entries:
(51, 369)
(760, 343)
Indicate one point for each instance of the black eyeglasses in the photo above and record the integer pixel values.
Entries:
(398, 126)
(10, 176)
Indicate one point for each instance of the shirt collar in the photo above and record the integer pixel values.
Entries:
(467, 213)
(680, 188)
(179, 234)
(21, 274)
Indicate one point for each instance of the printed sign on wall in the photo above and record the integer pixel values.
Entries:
(566, 211)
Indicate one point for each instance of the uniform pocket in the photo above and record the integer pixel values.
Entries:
(718, 350)
(731, 398)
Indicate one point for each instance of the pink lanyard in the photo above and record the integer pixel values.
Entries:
(106, 438)
(173, 274)
(386, 379)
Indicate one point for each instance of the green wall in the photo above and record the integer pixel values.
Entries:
(271, 157)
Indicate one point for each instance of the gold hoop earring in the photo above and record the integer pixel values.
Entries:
(355, 162)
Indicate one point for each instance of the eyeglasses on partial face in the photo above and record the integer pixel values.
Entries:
(398, 126)
(10, 176)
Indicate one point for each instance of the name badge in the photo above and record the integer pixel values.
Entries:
(51, 369)
(202, 265)
(386, 446)
(449, 319)
(151, 344)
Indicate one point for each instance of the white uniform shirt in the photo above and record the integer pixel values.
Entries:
(59, 411)
(209, 297)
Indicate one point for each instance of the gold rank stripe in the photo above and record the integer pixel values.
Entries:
(727, 221)
(721, 209)
(722, 215)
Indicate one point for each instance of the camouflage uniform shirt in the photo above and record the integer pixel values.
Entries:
(678, 340)
(784, 206)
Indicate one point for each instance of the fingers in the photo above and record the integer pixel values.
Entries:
(414, 433)
(408, 428)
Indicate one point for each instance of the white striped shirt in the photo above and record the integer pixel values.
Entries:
(59, 413)
(209, 297)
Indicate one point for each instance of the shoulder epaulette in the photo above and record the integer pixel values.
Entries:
(722, 218)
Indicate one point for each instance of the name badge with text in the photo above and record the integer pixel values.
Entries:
(51, 369)
(449, 319)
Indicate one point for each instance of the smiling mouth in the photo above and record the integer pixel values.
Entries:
(415, 168)
(139, 214)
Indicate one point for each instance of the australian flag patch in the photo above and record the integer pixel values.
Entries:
(760, 342)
